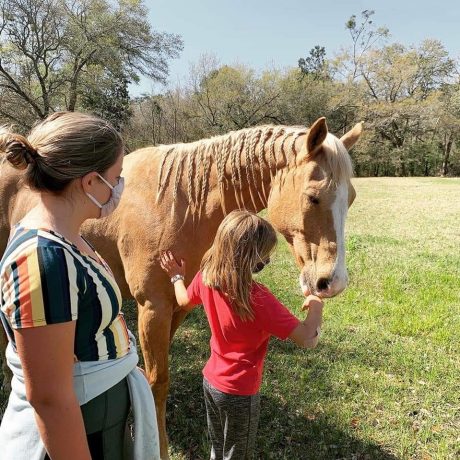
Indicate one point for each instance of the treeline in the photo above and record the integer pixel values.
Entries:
(62, 54)
(408, 97)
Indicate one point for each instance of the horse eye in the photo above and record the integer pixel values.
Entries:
(313, 199)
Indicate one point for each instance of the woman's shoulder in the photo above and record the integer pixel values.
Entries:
(34, 243)
(22, 243)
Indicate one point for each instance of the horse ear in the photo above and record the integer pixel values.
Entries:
(350, 138)
(316, 135)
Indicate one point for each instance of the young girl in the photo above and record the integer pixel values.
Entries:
(242, 315)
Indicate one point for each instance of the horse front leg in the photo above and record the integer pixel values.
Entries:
(154, 323)
(177, 319)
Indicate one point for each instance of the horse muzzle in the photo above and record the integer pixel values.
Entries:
(322, 285)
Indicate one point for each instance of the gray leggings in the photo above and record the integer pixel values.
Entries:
(232, 423)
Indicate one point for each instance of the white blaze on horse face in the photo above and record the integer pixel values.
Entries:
(339, 278)
(339, 212)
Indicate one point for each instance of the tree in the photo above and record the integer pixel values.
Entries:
(51, 49)
(315, 64)
(232, 97)
(398, 91)
(302, 98)
(31, 37)
(395, 72)
(448, 128)
(107, 96)
(365, 36)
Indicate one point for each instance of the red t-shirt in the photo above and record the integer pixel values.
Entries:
(238, 348)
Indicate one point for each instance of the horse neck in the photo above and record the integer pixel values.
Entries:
(249, 175)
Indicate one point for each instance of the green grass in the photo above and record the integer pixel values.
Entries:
(383, 382)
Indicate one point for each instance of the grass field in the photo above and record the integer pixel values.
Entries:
(384, 380)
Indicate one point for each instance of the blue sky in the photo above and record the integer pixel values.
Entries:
(272, 33)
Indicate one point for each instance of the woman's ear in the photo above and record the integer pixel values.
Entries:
(88, 181)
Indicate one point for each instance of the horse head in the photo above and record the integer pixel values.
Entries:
(308, 205)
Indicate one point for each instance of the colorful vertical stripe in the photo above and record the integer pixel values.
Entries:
(45, 279)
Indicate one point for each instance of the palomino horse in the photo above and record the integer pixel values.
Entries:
(177, 195)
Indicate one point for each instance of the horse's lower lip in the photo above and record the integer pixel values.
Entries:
(330, 292)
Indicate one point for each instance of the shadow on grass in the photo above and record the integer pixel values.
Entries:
(284, 431)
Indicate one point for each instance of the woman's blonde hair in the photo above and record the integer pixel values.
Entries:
(243, 240)
(60, 148)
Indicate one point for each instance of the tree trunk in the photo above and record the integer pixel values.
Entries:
(427, 168)
(446, 156)
(72, 95)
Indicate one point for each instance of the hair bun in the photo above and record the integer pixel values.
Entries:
(19, 152)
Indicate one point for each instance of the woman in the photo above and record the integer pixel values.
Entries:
(60, 304)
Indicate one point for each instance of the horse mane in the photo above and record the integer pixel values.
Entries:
(226, 151)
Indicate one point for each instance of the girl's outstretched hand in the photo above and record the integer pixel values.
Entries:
(312, 301)
(171, 266)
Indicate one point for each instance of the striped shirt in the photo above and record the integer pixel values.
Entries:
(45, 279)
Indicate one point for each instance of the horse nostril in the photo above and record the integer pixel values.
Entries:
(322, 284)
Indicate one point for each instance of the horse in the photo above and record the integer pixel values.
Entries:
(175, 198)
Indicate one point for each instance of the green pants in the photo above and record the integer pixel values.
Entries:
(105, 422)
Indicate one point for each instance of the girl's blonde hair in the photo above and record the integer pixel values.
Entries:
(243, 240)
(60, 148)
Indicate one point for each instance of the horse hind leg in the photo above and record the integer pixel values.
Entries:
(154, 325)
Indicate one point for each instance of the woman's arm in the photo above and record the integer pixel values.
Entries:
(174, 270)
(47, 357)
(306, 334)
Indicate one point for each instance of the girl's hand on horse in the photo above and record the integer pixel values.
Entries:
(171, 266)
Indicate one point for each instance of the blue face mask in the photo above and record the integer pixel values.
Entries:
(109, 207)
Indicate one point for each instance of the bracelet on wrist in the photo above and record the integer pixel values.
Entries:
(177, 278)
